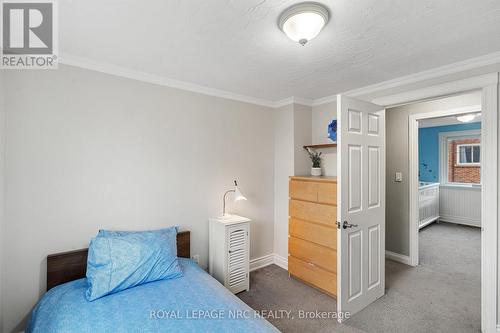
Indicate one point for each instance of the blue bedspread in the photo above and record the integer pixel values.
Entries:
(193, 303)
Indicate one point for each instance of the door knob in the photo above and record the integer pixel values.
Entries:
(346, 225)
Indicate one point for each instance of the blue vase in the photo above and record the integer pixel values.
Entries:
(332, 130)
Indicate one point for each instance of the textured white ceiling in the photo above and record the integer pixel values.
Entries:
(235, 45)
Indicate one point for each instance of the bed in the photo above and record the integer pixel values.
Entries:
(194, 302)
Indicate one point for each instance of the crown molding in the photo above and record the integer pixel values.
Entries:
(324, 100)
(303, 101)
(72, 60)
(293, 100)
(447, 88)
(283, 102)
(473, 63)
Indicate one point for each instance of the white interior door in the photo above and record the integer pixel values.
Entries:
(361, 203)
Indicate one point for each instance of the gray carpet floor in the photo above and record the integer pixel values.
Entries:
(442, 294)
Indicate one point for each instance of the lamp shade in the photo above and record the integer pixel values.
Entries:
(237, 194)
(237, 197)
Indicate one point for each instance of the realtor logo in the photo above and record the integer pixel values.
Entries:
(28, 34)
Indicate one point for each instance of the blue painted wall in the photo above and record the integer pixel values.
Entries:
(428, 148)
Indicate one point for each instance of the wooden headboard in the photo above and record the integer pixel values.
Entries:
(72, 265)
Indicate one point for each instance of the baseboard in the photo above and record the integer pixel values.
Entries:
(281, 261)
(427, 222)
(460, 220)
(397, 257)
(261, 262)
(268, 260)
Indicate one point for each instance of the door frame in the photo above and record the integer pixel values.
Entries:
(488, 85)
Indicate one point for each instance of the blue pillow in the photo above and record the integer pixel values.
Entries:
(107, 233)
(116, 263)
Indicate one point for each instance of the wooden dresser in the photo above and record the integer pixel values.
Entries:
(312, 231)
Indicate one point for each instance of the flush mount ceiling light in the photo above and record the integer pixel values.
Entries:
(303, 21)
(466, 118)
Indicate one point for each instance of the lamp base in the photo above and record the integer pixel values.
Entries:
(225, 216)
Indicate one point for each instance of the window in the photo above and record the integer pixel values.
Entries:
(463, 160)
(468, 154)
(460, 157)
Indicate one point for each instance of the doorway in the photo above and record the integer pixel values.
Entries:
(449, 207)
(488, 85)
(431, 173)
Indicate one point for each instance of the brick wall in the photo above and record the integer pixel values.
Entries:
(461, 174)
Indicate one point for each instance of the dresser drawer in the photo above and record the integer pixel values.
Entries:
(321, 256)
(301, 190)
(313, 275)
(313, 212)
(327, 193)
(316, 233)
(321, 192)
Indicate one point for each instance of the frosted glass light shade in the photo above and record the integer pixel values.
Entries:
(466, 118)
(304, 21)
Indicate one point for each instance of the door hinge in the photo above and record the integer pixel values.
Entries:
(338, 225)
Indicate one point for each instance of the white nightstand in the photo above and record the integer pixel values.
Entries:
(229, 251)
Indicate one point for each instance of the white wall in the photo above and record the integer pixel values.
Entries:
(498, 212)
(322, 115)
(292, 132)
(2, 145)
(302, 126)
(283, 168)
(86, 150)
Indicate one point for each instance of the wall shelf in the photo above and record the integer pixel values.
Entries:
(323, 145)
